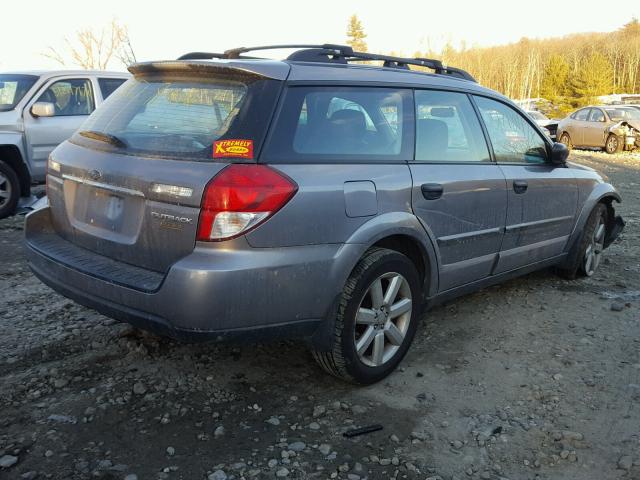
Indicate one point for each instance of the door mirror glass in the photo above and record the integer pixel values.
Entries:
(559, 154)
(43, 109)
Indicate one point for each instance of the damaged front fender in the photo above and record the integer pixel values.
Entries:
(628, 133)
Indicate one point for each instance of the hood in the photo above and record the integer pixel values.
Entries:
(596, 174)
(580, 167)
(631, 123)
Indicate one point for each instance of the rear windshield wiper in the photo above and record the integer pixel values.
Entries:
(104, 137)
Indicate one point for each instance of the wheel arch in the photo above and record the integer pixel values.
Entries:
(12, 156)
(403, 232)
(603, 193)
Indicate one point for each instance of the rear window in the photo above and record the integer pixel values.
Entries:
(343, 124)
(182, 118)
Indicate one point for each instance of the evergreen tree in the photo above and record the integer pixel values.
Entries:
(554, 78)
(356, 35)
(594, 78)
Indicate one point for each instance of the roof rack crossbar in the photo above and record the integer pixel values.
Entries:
(329, 52)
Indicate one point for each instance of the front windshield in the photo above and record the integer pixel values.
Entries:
(621, 114)
(13, 88)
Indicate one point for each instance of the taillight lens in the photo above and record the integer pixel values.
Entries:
(241, 197)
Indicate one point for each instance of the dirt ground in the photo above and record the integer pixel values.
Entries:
(538, 378)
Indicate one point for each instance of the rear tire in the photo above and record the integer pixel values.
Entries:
(613, 145)
(9, 190)
(566, 140)
(591, 245)
(374, 326)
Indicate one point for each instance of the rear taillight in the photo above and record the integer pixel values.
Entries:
(240, 198)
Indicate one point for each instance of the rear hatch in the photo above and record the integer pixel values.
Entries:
(129, 183)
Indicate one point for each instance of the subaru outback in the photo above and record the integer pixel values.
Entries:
(322, 197)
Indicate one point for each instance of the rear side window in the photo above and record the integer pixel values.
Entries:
(447, 128)
(184, 118)
(342, 124)
(109, 85)
(514, 140)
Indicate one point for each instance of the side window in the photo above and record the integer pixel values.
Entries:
(109, 85)
(342, 124)
(447, 128)
(596, 115)
(70, 97)
(513, 139)
(582, 115)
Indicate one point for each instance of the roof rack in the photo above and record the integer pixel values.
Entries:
(332, 53)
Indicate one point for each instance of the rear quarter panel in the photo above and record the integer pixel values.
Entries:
(317, 214)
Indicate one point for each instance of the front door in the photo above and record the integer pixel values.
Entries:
(73, 101)
(543, 198)
(459, 194)
(595, 127)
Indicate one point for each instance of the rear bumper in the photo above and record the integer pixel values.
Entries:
(214, 293)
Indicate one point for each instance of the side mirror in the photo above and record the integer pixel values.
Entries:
(43, 109)
(559, 154)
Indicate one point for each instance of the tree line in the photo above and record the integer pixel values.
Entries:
(568, 71)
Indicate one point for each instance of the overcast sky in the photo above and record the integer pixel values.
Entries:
(163, 29)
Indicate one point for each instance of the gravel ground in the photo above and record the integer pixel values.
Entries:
(538, 378)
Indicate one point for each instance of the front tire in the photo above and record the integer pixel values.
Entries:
(566, 140)
(613, 145)
(9, 190)
(588, 255)
(376, 320)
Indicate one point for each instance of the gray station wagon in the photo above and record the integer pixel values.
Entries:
(223, 196)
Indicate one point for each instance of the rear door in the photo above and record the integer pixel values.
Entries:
(459, 194)
(543, 198)
(130, 182)
(73, 100)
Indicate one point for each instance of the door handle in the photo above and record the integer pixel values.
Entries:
(520, 186)
(431, 191)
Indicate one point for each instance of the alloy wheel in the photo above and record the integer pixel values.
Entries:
(382, 319)
(593, 253)
(5, 190)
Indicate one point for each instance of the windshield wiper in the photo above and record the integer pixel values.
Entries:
(104, 137)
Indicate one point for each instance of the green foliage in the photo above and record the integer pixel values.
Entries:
(356, 35)
(595, 77)
(568, 70)
(554, 79)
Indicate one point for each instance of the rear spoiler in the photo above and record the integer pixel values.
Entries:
(262, 68)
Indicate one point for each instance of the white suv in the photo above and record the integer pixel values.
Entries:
(38, 111)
